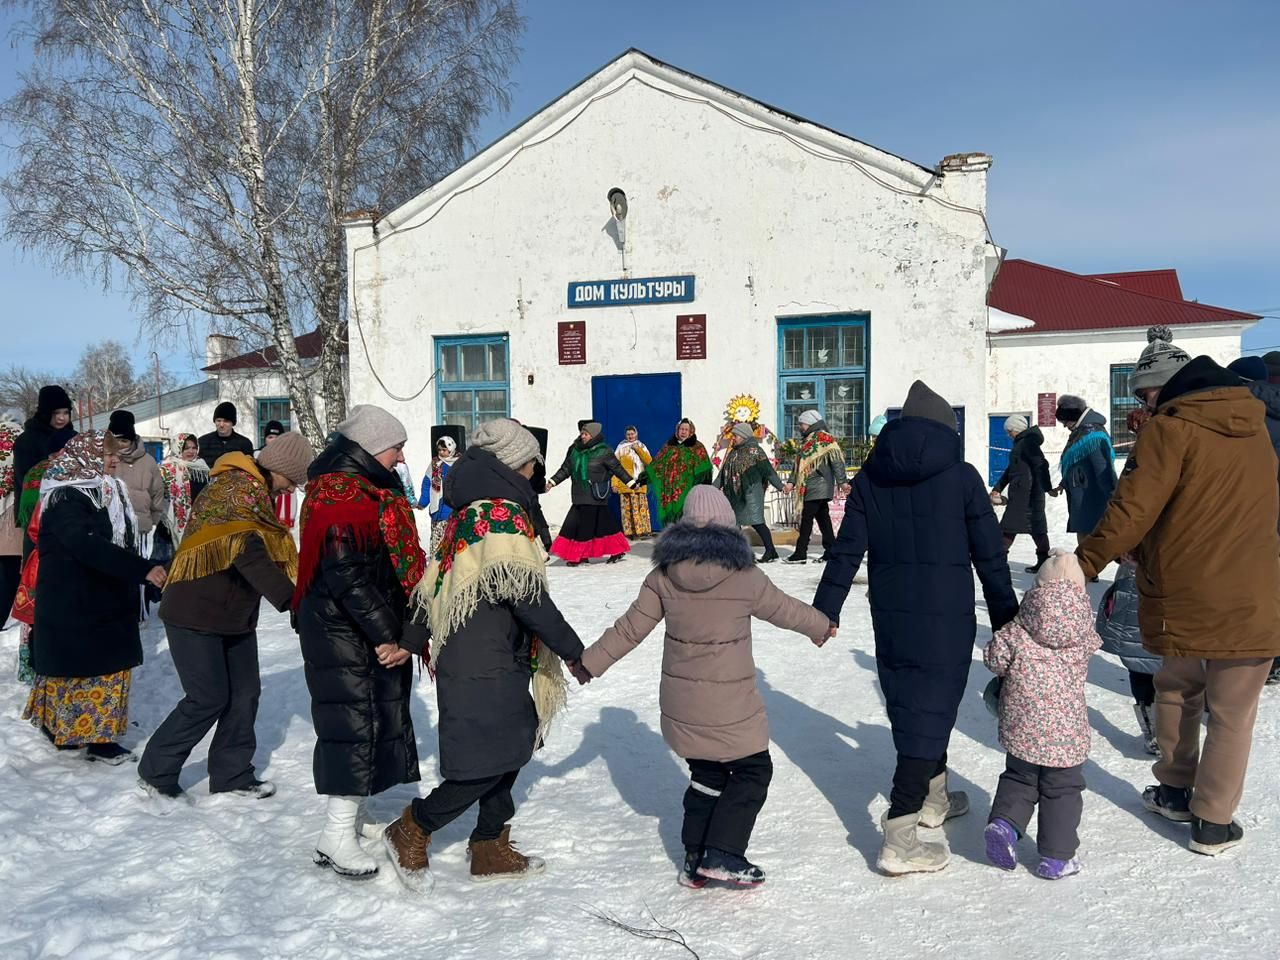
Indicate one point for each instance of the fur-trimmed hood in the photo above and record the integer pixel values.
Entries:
(700, 558)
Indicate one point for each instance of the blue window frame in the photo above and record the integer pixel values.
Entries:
(474, 383)
(822, 365)
(1122, 401)
(271, 408)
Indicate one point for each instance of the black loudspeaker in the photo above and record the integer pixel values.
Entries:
(458, 434)
(539, 479)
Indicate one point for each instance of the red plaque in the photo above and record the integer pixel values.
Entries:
(571, 340)
(1046, 409)
(691, 336)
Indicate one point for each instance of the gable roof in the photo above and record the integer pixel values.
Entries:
(1158, 283)
(1059, 301)
(268, 357)
(638, 66)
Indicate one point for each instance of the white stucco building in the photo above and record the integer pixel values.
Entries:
(250, 380)
(820, 272)
(1082, 335)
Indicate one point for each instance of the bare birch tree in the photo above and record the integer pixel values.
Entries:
(204, 151)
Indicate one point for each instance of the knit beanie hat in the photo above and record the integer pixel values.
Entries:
(288, 455)
(593, 427)
(226, 410)
(923, 402)
(373, 428)
(1016, 424)
(274, 428)
(878, 424)
(1158, 362)
(809, 418)
(1070, 408)
(1272, 360)
(1250, 368)
(706, 505)
(508, 441)
(52, 397)
(744, 431)
(121, 425)
(1061, 566)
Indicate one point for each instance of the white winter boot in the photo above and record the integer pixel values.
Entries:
(941, 805)
(904, 852)
(338, 848)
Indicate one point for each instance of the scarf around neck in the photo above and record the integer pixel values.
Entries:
(373, 514)
(744, 465)
(235, 506)
(489, 552)
(816, 450)
(582, 455)
(678, 468)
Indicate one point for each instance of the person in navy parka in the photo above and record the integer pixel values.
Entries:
(925, 518)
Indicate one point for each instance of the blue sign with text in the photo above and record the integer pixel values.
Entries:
(630, 293)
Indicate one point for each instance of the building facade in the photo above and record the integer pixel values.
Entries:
(651, 245)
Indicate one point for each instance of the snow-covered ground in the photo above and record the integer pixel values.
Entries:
(89, 870)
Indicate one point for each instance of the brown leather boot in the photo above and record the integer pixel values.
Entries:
(499, 860)
(407, 844)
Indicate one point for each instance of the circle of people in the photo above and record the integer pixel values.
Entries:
(1194, 612)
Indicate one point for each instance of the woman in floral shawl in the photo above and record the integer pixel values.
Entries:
(432, 498)
(680, 465)
(85, 641)
(746, 471)
(495, 634)
(184, 475)
(10, 532)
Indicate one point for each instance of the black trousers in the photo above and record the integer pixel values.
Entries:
(452, 798)
(1059, 791)
(10, 574)
(723, 801)
(911, 784)
(766, 538)
(1143, 687)
(819, 510)
(540, 526)
(219, 676)
(1041, 540)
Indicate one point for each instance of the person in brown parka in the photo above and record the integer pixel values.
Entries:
(1197, 503)
(707, 587)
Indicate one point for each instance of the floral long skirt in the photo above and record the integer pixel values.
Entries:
(635, 514)
(77, 711)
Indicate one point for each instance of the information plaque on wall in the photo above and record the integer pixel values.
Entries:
(691, 336)
(1046, 409)
(571, 341)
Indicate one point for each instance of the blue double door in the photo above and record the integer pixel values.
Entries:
(650, 402)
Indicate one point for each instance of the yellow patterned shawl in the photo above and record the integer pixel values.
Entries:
(235, 506)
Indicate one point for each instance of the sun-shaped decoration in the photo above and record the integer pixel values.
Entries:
(743, 408)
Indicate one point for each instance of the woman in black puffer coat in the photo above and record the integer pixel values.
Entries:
(354, 623)
(1027, 480)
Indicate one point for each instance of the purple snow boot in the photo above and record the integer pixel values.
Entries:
(1051, 869)
(1002, 843)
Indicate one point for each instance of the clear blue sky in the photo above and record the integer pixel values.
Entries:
(1126, 135)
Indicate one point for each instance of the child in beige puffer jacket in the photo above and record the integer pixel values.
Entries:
(705, 584)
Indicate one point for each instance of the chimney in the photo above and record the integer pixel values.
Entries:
(219, 347)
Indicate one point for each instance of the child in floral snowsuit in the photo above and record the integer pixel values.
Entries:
(1043, 656)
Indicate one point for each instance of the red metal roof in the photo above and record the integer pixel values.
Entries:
(1060, 301)
(267, 357)
(1158, 283)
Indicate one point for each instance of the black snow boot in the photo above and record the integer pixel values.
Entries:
(109, 753)
(1172, 803)
(1212, 839)
(1040, 559)
(796, 558)
(730, 868)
